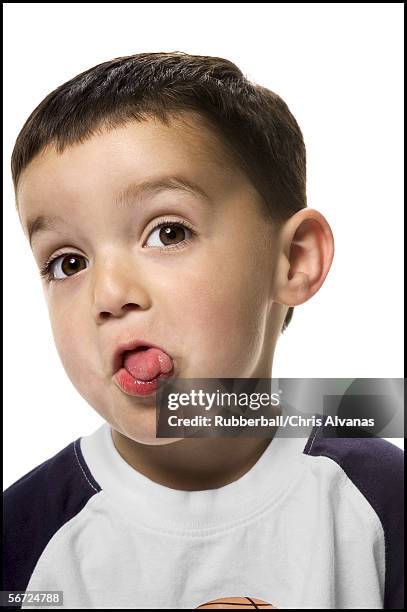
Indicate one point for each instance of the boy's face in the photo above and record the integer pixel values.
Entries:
(203, 295)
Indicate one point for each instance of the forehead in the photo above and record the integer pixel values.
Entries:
(135, 152)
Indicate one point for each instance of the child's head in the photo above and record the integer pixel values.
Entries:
(175, 189)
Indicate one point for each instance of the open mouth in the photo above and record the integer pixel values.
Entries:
(142, 369)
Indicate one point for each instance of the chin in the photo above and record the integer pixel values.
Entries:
(160, 441)
(143, 433)
(148, 438)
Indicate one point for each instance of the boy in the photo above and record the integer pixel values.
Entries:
(175, 189)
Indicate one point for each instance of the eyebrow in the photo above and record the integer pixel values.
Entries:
(133, 191)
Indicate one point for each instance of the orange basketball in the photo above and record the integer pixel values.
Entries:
(236, 603)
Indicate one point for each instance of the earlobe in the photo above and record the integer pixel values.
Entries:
(306, 253)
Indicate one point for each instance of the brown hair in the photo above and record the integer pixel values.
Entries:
(258, 130)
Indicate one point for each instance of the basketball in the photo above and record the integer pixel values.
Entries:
(236, 602)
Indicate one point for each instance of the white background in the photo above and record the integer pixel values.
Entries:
(339, 69)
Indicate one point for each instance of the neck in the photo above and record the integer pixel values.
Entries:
(196, 464)
(193, 464)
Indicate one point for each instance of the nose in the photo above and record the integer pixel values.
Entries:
(118, 287)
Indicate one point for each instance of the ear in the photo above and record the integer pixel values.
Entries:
(305, 256)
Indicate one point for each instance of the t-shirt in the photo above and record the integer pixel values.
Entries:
(315, 523)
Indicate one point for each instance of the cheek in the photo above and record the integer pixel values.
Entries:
(64, 331)
(219, 314)
(73, 346)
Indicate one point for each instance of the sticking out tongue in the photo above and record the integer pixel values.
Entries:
(147, 364)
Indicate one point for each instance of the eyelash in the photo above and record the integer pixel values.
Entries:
(171, 223)
(46, 272)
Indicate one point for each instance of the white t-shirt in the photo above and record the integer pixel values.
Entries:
(315, 523)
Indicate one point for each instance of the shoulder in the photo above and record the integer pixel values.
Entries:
(63, 472)
(37, 505)
(376, 467)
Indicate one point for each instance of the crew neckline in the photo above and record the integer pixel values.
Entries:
(192, 512)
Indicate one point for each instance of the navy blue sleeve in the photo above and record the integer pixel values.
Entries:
(376, 467)
(37, 506)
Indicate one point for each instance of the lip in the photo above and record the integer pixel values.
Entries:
(123, 379)
(131, 345)
(138, 388)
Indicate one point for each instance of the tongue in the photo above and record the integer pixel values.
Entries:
(147, 364)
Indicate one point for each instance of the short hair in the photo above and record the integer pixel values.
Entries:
(256, 126)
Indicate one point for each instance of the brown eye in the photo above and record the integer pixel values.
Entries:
(67, 265)
(168, 234)
(171, 234)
